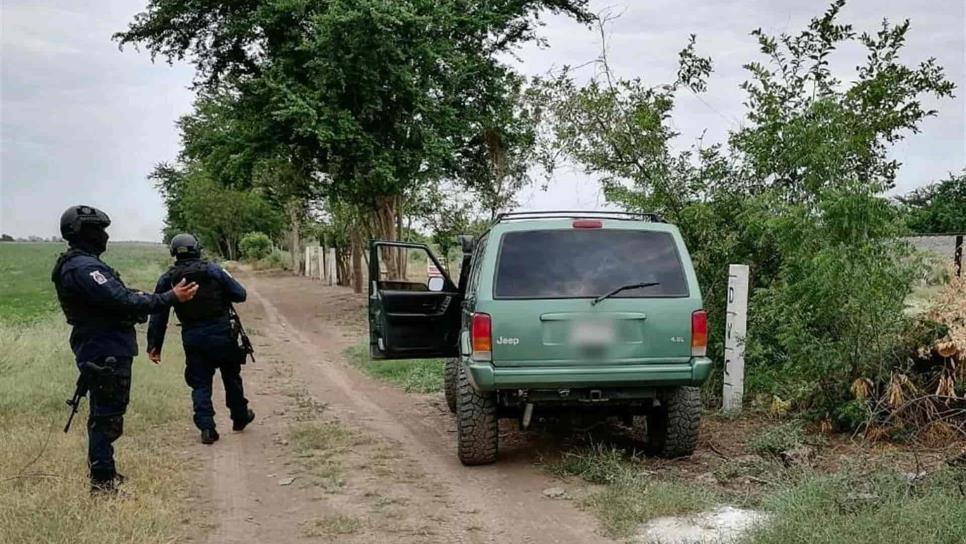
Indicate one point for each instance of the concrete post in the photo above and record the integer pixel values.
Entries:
(736, 324)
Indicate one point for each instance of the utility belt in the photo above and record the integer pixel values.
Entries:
(108, 323)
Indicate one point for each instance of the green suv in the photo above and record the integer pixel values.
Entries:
(593, 313)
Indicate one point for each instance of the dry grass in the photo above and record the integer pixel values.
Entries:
(43, 474)
(44, 493)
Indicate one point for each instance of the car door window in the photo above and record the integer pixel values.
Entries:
(408, 269)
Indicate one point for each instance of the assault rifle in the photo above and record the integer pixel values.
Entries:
(88, 371)
(239, 332)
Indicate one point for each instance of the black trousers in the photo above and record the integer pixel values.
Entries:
(199, 372)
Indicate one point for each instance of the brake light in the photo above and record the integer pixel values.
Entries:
(587, 224)
(699, 333)
(481, 336)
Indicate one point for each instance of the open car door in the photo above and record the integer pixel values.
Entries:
(414, 306)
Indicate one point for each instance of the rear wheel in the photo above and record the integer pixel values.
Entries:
(476, 423)
(672, 428)
(450, 377)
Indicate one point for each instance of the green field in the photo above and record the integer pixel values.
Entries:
(26, 292)
(43, 474)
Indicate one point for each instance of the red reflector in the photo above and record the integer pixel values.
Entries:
(481, 336)
(699, 333)
(587, 224)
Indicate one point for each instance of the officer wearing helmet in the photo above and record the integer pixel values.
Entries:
(206, 333)
(103, 312)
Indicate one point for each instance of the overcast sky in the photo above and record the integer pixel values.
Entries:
(82, 122)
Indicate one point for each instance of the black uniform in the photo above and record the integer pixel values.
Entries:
(103, 312)
(207, 335)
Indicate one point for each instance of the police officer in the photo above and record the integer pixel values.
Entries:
(207, 335)
(103, 312)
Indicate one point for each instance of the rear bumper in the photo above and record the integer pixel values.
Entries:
(486, 377)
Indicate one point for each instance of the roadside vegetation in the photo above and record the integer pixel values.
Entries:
(835, 493)
(44, 490)
(412, 376)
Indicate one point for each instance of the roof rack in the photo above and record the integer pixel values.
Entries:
(577, 214)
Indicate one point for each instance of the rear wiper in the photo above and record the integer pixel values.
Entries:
(624, 288)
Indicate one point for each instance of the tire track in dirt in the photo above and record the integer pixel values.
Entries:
(497, 503)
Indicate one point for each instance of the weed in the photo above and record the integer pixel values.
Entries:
(782, 437)
(630, 495)
(332, 525)
(317, 446)
(878, 508)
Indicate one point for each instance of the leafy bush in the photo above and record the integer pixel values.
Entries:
(277, 259)
(797, 193)
(255, 246)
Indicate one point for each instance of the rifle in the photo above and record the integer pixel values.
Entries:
(239, 331)
(83, 386)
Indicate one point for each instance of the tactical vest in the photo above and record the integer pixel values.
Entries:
(211, 300)
(80, 311)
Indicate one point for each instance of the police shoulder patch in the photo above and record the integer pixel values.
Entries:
(98, 277)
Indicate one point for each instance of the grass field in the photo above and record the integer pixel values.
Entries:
(43, 474)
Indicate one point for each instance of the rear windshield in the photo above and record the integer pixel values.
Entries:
(588, 263)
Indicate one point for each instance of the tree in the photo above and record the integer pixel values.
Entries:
(939, 207)
(377, 97)
(218, 215)
(797, 193)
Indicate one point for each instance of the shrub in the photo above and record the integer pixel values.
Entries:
(255, 246)
(275, 259)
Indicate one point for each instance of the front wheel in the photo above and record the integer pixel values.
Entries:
(477, 425)
(672, 428)
(451, 371)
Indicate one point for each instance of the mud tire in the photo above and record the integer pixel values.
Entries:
(672, 428)
(451, 371)
(476, 423)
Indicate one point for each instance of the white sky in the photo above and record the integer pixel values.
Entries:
(82, 122)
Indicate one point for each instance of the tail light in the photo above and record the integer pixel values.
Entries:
(587, 224)
(481, 336)
(699, 333)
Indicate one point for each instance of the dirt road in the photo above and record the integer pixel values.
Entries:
(398, 479)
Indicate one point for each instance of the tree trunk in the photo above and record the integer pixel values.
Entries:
(357, 249)
(295, 242)
(385, 222)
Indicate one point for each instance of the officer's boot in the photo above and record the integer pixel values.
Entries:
(106, 484)
(240, 425)
(209, 436)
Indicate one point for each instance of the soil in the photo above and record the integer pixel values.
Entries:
(400, 480)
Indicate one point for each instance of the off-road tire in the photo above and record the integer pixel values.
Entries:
(451, 370)
(477, 426)
(672, 428)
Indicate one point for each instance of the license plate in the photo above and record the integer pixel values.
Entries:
(592, 333)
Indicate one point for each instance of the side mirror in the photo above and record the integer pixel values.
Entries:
(436, 284)
(467, 242)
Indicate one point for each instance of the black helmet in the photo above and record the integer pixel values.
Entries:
(76, 216)
(185, 245)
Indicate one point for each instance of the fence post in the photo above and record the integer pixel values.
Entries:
(318, 262)
(307, 261)
(331, 275)
(958, 255)
(736, 324)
